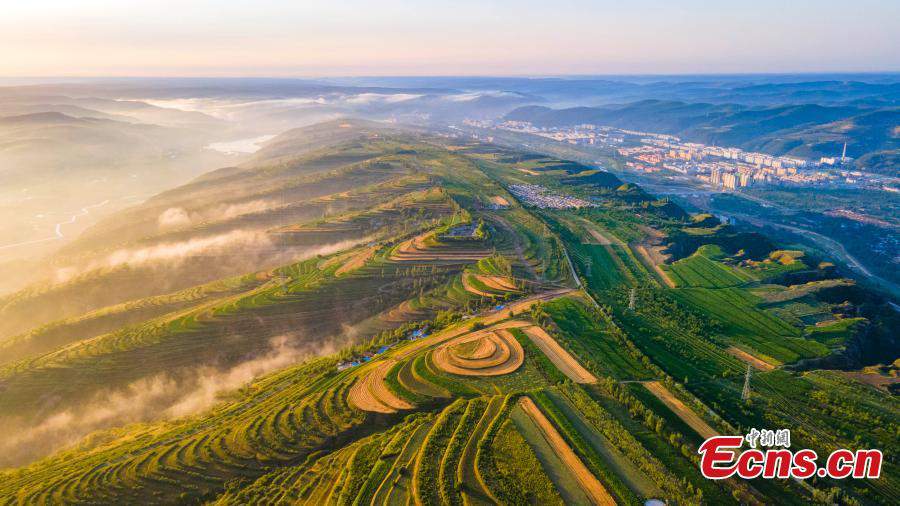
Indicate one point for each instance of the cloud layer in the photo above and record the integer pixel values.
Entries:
(161, 396)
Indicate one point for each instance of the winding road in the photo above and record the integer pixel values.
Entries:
(86, 210)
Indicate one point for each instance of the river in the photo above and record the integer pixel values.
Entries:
(240, 146)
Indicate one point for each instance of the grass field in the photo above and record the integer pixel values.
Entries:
(743, 322)
(444, 354)
(591, 340)
(701, 270)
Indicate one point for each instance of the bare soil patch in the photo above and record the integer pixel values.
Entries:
(679, 408)
(469, 287)
(370, 393)
(876, 380)
(561, 358)
(496, 283)
(758, 364)
(356, 261)
(645, 255)
(595, 490)
(500, 283)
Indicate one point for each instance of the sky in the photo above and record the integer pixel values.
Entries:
(460, 37)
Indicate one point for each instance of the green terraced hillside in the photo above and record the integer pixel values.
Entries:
(367, 315)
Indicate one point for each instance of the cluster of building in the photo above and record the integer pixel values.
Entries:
(729, 168)
(541, 197)
(723, 167)
(366, 356)
(362, 358)
(462, 231)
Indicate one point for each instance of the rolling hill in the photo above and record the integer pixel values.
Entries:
(805, 130)
(397, 327)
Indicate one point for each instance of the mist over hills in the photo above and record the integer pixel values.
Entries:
(64, 161)
(219, 287)
(52, 143)
(359, 297)
(222, 224)
(73, 152)
(875, 89)
(118, 141)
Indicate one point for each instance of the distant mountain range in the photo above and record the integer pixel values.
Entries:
(872, 134)
(116, 141)
(830, 89)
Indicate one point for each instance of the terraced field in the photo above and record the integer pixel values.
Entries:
(111, 265)
(336, 397)
(700, 270)
(488, 286)
(593, 489)
(561, 358)
(63, 332)
(306, 300)
(433, 366)
(689, 417)
(427, 248)
(444, 351)
(483, 353)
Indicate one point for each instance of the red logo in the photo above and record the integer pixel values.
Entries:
(721, 458)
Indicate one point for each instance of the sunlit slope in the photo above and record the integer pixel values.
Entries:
(313, 304)
(303, 307)
(274, 430)
(339, 281)
(470, 350)
(221, 225)
(59, 333)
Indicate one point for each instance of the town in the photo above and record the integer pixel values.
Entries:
(541, 197)
(726, 168)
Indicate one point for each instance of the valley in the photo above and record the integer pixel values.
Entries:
(364, 313)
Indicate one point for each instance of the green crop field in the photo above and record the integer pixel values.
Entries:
(744, 323)
(703, 271)
(390, 333)
(596, 342)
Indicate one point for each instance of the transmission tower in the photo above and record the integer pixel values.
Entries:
(746, 393)
(631, 298)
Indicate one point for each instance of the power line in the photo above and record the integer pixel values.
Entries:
(746, 393)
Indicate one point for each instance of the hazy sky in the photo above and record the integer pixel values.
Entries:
(396, 37)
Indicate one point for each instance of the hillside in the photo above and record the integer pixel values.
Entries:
(224, 223)
(41, 140)
(400, 323)
(64, 163)
(805, 130)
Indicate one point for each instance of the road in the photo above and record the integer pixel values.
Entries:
(829, 245)
(832, 247)
(57, 230)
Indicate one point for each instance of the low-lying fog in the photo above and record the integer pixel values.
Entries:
(74, 154)
(241, 146)
(162, 396)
